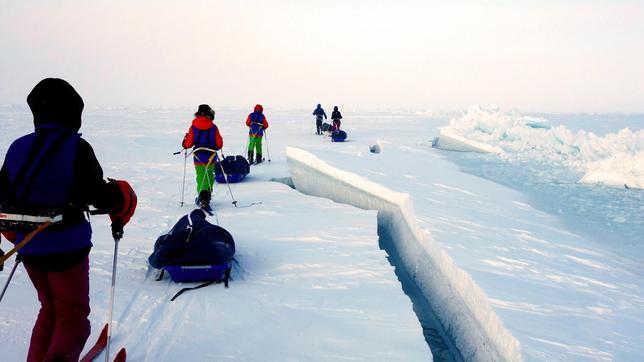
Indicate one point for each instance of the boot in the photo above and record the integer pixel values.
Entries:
(204, 199)
(259, 158)
(250, 157)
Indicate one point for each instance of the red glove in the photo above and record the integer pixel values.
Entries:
(123, 216)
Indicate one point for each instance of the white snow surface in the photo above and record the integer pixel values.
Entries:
(311, 282)
(563, 296)
(459, 303)
(615, 159)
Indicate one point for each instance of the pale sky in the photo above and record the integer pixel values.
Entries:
(550, 56)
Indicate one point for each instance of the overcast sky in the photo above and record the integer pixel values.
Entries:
(561, 56)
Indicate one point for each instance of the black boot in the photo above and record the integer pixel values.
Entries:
(259, 158)
(250, 157)
(204, 199)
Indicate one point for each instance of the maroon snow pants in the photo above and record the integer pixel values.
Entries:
(62, 327)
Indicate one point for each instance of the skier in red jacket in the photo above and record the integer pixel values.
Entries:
(256, 123)
(204, 136)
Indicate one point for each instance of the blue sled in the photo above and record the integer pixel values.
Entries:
(197, 273)
(232, 178)
(338, 136)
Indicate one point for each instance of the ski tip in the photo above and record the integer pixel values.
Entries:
(102, 339)
(121, 356)
(98, 347)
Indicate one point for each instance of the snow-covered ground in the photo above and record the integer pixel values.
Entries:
(312, 283)
(457, 302)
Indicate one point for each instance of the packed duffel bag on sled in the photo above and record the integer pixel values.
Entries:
(235, 168)
(194, 250)
(338, 136)
(325, 127)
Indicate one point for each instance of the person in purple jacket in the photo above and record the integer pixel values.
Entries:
(318, 112)
(54, 170)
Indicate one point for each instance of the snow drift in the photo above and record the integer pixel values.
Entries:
(460, 304)
(450, 141)
(614, 159)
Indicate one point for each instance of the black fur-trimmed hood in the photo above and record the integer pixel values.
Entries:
(53, 101)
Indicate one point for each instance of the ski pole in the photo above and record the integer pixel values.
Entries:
(228, 184)
(183, 188)
(247, 145)
(111, 306)
(268, 152)
(13, 270)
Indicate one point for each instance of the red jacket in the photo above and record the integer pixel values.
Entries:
(202, 123)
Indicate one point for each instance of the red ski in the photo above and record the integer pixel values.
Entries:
(120, 357)
(98, 347)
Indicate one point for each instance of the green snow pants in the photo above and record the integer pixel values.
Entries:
(205, 177)
(256, 143)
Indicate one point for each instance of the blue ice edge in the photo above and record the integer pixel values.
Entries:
(460, 304)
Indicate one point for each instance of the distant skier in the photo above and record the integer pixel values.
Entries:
(336, 116)
(54, 171)
(318, 112)
(205, 139)
(256, 123)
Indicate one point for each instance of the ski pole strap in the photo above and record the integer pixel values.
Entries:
(24, 241)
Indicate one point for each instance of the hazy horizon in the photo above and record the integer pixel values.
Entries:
(549, 57)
